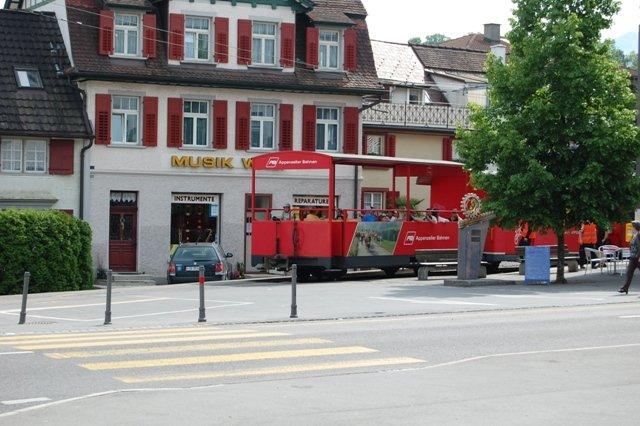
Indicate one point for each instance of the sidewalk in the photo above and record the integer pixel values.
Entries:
(246, 302)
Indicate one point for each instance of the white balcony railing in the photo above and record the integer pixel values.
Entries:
(426, 116)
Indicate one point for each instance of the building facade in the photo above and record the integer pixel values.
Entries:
(43, 128)
(428, 91)
(183, 93)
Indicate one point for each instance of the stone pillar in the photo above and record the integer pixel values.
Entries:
(471, 237)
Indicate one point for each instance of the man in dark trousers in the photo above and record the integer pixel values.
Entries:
(634, 253)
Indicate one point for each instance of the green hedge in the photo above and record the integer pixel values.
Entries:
(53, 246)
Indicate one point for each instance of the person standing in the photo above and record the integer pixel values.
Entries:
(634, 253)
(588, 238)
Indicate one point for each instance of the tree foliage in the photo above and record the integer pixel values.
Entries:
(430, 39)
(626, 60)
(557, 144)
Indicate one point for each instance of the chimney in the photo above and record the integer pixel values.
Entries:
(492, 32)
(500, 50)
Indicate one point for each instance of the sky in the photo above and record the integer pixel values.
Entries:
(402, 19)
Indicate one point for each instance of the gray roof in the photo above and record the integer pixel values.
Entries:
(397, 63)
(56, 110)
(451, 59)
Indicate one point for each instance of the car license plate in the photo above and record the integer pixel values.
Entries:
(192, 268)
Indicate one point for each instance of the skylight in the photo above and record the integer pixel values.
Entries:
(28, 78)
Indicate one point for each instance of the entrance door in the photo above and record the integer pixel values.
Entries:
(123, 238)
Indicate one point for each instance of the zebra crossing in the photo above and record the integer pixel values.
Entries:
(196, 354)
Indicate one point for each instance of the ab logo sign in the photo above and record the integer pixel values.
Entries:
(272, 162)
(410, 238)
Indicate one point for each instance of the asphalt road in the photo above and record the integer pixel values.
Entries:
(568, 364)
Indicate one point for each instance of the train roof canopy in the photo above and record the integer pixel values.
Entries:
(307, 160)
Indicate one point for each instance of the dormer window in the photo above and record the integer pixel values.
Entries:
(197, 35)
(329, 49)
(127, 34)
(264, 44)
(28, 78)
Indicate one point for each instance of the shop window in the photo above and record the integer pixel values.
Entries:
(196, 123)
(28, 156)
(197, 34)
(373, 200)
(127, 34)
(327, 125)
(264, 43)
(329, 49)
(125, 122)
(263, 119)
(375, 145)
(195, 218)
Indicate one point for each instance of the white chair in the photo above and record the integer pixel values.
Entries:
(595, 256)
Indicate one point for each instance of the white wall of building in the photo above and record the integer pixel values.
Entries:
(64, 189)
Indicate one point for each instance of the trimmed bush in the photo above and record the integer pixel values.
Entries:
(53, 246)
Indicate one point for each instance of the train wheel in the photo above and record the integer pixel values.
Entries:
(493, 267)
(317, 274)
(304, 275)
(390, 272)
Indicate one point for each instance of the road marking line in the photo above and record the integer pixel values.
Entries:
(25, 401)
(286, 369)
(71, 338)
(65, 335)
(629, 316)
(432, 302)
(61, 345)
(46, 308)
(539, 296)
(214, 359)
(16, 353)
(187, 348)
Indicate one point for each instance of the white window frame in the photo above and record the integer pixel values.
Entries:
(420, 97)
(368, 200)
(195, 116)
(262, 120)
(263, 38)
(382, 145)
(197, 32)
(127, 29)
(19, 146)
(327, 45)
(326, 123)
(125, 113)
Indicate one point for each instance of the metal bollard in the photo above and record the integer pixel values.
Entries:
(294, 283)
(25, 293)
(202, 315)
(107, 312)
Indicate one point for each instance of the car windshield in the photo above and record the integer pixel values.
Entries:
(195, 253)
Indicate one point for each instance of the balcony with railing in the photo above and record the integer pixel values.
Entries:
(436, 116)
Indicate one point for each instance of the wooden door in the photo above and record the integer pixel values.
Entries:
(123, 240)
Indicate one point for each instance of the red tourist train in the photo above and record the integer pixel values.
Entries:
(329, 240)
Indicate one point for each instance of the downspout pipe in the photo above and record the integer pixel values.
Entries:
(84, 149)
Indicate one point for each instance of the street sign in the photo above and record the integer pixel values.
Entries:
(537, 265)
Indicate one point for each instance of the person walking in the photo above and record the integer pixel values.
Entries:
(634, 254)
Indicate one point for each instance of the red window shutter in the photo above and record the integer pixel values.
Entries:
(286, 127)
(287, 45)
(176, 36)
(350, 49)
(364, 143)
(174, 122)
(313, 37)
(390, 146)
(222, 40)
(351, 128)
(447, 149)
(149, 32)
(102, 122)
(150, 121)
(244, 41)
(308, 128)
(243, 118)
(61, 157)
(105, 38)
(220, 124)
